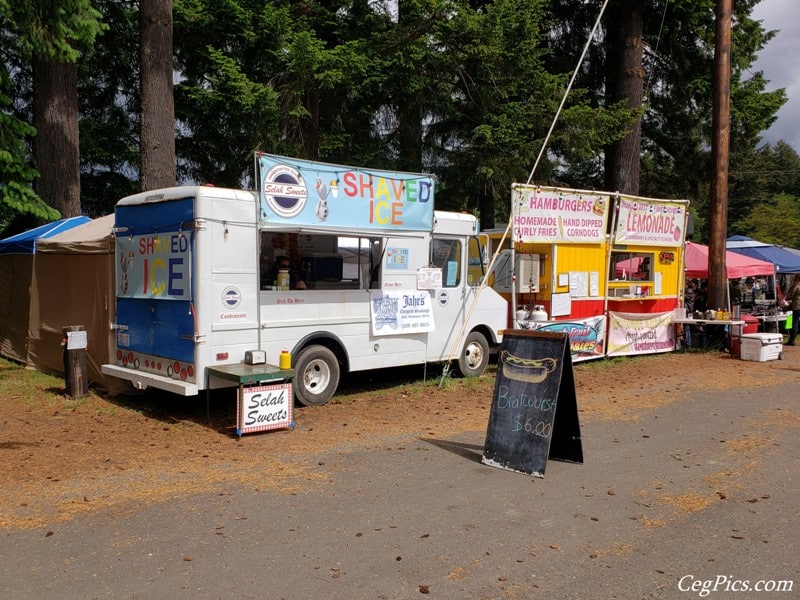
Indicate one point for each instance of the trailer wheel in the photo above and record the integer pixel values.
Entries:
(316, 376)
(474, 356)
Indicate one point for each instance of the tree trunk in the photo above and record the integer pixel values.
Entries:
(409, 135)
(625, 81)
(55, 147)
(157, 137)
(486, 209)
(309, 126)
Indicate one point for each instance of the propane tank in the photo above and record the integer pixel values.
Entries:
(538, 313)
(522, 314)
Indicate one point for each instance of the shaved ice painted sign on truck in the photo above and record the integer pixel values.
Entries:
(154, 266)
(301, 192)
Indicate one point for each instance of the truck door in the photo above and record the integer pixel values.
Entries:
(461, 261)
(448, 254)
(155, 320)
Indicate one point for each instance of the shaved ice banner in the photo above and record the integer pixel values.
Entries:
(297, 192)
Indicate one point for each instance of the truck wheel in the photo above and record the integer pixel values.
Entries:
(474, 356)
(316, 376)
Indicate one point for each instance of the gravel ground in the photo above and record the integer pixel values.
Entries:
(689, 475)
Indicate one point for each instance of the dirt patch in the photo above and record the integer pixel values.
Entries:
(62, 457)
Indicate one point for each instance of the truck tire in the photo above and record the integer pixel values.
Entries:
(316, 376)
(474, 355)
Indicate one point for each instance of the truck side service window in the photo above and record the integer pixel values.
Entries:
(446, 254)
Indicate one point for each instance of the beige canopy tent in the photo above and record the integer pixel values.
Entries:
(16, 269)
(70, 281)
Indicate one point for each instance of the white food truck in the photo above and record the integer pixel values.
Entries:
(377, 278)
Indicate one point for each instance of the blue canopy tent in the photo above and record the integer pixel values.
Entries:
(784, 260)
(25, 242)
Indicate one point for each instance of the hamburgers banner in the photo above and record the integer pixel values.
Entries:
(556, 215)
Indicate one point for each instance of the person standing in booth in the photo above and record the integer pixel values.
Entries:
(688, 303)
(793, 298)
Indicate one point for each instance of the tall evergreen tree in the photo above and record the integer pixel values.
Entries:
(17, 198)
(497, 102)
(677, 122)
(55, 147)
(625, 83)
(46, 33)
(108, 92)
(157, 139)
(677, 72)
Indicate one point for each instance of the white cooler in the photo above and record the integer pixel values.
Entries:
(762, 346)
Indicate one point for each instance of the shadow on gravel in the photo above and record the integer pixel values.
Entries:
(472, 452)
(216, 409)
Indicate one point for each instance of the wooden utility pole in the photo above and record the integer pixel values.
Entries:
(720, 150)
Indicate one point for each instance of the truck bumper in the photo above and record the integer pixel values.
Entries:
(142, 381)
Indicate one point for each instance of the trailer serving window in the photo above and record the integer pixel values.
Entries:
(631, 266)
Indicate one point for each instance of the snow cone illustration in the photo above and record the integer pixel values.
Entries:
(334, 188)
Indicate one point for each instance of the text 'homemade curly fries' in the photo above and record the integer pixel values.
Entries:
(529, 370)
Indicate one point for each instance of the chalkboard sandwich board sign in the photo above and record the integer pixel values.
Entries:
(534, 413)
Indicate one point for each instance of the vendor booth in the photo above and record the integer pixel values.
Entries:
(764, 301)
(16, 270)
(611, 283)
(553, 267)
(737, 266)
(784, 260)
(36, 267)
(641, 305)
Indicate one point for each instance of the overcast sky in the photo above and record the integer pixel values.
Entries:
(780, 61)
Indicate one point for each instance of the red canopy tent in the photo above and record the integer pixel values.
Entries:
(737, 265)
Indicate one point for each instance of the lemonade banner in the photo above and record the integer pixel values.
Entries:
(647, 222)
